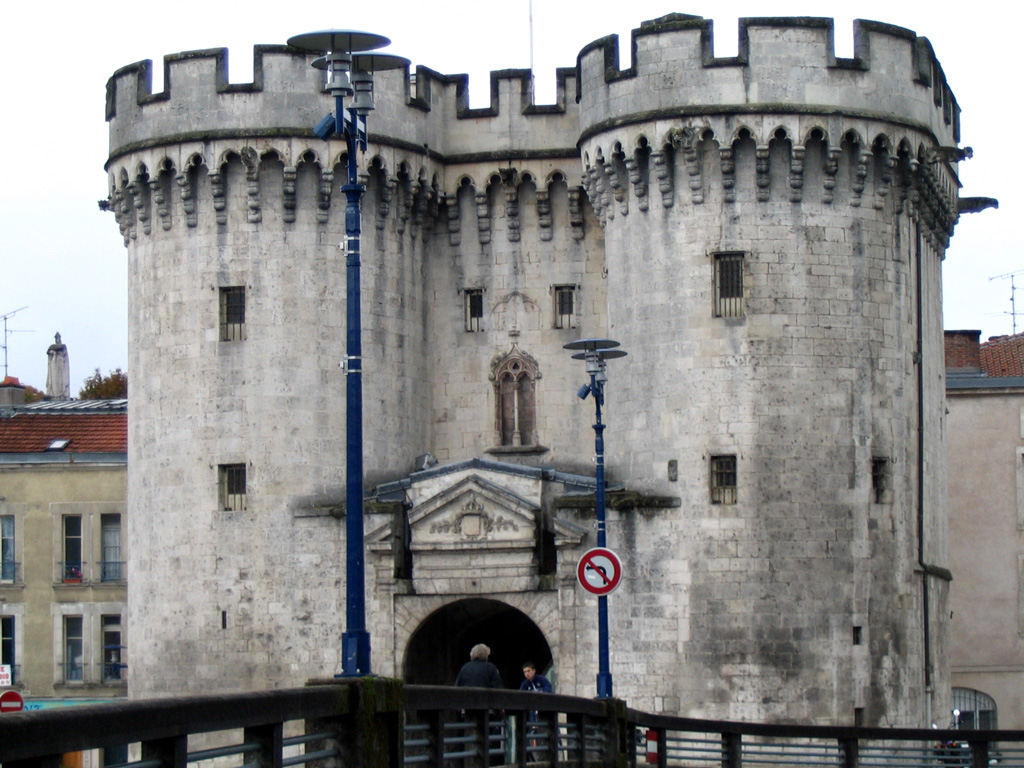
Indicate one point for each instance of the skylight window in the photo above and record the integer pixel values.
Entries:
(58, 445)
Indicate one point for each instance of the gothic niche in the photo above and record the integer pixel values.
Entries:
(515, 387)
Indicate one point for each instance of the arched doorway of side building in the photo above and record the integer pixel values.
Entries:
(441, 644)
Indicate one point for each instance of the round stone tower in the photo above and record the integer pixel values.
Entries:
(775, 225)
(763, 234)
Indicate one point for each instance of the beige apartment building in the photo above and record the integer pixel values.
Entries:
(63, 471)
(985, 398)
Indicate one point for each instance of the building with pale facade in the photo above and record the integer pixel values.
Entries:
(63, 575)
(985, 398)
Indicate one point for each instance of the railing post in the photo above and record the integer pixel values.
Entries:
(552, 720)
(436, 736)
(520, 728)
(270, 738)
(618, 733)
(369, 725)
(979, 754)
(171, 752)
(481, 720)
(732, 750)
(580, 721)
(851, 752)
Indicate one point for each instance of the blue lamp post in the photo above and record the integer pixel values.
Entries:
(350, 74)
(595, 352)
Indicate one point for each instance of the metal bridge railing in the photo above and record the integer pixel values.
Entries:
(375, 722)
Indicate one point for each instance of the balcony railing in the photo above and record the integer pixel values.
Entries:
(71, 672)
(111, 570)
(70, 572)
(378, 722)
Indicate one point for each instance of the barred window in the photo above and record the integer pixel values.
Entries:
(881, 480)
(974, 710)
(474, 309)
(232, 487)
(565, 306)
(729, 285)
(232, 313)
(723, 479)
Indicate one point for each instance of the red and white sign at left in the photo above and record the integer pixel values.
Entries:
(6, 681)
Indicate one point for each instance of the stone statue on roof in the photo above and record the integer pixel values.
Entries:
(58, 371)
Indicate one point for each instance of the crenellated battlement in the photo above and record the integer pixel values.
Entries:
(784, 66)
(429, 113)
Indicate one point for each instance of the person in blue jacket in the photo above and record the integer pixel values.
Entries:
(533, 681)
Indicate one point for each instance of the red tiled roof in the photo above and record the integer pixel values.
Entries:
(1003, 356)
(88, 432)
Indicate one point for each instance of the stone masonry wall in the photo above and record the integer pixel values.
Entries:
(804, 598)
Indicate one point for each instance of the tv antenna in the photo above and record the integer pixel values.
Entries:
(3, 344)
(1011, 276)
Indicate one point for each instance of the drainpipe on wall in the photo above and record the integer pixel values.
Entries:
(928, 570)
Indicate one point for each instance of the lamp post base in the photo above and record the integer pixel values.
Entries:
(604, 685)
(356, 648)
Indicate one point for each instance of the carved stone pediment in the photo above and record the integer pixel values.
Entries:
(473, 514)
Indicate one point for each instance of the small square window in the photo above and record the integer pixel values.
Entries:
(474, 309)
(723, 479)
(232, 487)
(729, 285)
(232, 313)
(565, 306)
(881, 480)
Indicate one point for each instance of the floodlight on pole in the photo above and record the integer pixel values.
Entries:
(349, 65)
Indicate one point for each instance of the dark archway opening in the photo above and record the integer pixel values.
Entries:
(440, 646)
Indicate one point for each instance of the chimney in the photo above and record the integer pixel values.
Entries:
(963, 351)
(11, 392)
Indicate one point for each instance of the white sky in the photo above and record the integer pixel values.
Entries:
(64, 260)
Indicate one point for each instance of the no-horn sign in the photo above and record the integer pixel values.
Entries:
(599, 571)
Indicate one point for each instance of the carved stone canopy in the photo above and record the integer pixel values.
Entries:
(474, 514)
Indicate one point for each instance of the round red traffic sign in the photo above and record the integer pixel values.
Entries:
(599, 571)
(11, 701)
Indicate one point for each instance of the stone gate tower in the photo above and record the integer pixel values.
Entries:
(762, 233)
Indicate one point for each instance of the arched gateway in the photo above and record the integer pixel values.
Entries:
(441, 644)
(465, 554)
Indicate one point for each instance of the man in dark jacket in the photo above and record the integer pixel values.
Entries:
(478, 672)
